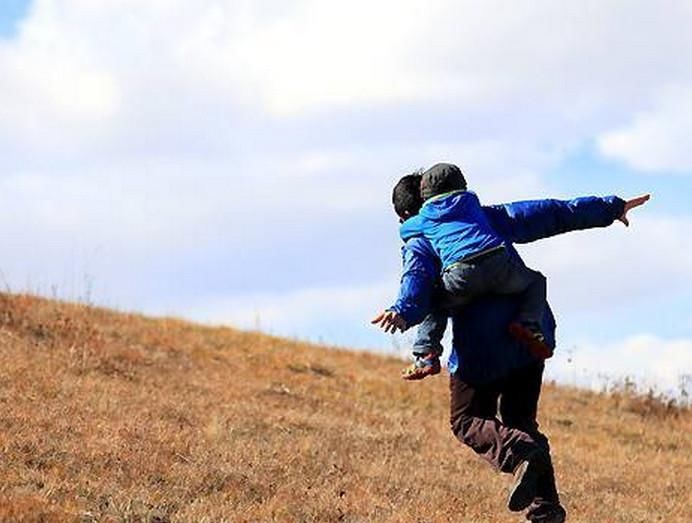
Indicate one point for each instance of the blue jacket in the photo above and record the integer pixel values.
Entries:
(482, 351)
(454, 224)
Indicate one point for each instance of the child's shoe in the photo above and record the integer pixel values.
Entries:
(422, 367)
(529, 334)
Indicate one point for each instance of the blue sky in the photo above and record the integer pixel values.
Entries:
(232, 161)
(11, 11)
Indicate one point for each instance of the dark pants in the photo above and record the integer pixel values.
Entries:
(505, 442)
(496, 273)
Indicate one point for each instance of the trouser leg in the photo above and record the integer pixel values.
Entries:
(430, 333)
(534, 297)
(500, 274)
(504, 274)
(431, 330)
(474, 422)
(518, 408)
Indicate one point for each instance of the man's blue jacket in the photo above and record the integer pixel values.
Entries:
(482, 350)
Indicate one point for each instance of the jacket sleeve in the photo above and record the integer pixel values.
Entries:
(420, 270)
(528, 221)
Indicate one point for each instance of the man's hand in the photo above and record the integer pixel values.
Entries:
(631, 204)
(389, 321)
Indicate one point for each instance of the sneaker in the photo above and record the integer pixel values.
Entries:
(526, 476)
(530, 335)
(422, 367)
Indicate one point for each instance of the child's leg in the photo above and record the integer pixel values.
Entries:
(508, 275)
(430, 333)
(422, 367)
(432, 328)
(499, 273)
(534, 297)
(427, 347)
(462, 283)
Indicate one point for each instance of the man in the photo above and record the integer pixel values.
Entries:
(486, 364)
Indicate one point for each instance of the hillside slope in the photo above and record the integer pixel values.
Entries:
(115, 417)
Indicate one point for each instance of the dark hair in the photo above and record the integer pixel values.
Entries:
(441, 178)
(406, 195)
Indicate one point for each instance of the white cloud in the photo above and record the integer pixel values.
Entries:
(656, 139)
(603, 268)
(87, 58)
(53, 84)
(330, 314)
(606, 286)
(649, 360)
(330, 54)
(118, 78)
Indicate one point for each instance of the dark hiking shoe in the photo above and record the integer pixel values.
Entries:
(530, 335)
(550, 514)
(526, 476)
(423, 367)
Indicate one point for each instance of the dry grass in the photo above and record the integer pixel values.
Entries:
(113, 417)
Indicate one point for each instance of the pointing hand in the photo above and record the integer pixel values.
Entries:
(631, 204)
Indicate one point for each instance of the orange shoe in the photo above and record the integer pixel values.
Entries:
(530, 335)
(422, 368)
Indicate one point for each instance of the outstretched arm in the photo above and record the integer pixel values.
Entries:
(420, 269)
(527, 221)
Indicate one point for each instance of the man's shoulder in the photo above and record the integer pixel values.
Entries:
(412, 228)
(419, 245)
(472, 200)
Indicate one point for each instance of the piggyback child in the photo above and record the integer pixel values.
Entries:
(474, 260)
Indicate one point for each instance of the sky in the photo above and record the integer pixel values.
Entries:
(231, 161)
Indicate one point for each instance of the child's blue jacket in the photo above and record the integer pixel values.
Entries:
(455, 224)
(482, 350)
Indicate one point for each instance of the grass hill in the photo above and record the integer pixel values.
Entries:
(117, 417)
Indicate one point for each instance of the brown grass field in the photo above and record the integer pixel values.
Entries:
(116, 417)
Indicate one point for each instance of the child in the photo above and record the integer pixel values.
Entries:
(474, 263)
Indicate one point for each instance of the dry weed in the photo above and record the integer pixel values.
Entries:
(115, 417)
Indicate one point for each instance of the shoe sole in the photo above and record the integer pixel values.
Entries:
(524, 336)
(524, 489)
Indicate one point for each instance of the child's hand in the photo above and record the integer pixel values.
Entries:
(389, 321)
(631, 204)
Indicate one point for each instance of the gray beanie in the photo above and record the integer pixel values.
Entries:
(441, 178)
